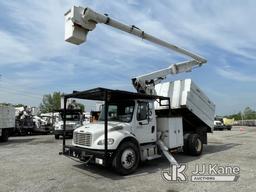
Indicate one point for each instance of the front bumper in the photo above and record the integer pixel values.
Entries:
(89, 155)
(219, 127)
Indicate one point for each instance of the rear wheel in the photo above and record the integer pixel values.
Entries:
(185, 146)
(193, 145)
(126, 159)
(57, 136)
(5, 135)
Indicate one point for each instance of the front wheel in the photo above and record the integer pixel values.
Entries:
(126, 159)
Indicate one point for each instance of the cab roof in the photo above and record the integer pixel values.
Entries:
(101, 94)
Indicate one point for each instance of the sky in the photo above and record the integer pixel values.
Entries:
(35, 60)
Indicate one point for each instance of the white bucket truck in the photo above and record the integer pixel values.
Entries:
(135, 127)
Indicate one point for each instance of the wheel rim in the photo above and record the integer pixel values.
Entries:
(198, 145)
(128, 158)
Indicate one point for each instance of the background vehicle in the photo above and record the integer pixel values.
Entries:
(221, 123)
(25, 123)
(73, 120)
(7, 121)
(48, 121)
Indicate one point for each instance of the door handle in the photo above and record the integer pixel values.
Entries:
(152, 129)
(140, 123)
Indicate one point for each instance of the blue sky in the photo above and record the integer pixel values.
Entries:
(36, 60)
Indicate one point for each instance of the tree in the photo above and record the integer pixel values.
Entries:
(50, 102)
(19, 105)
(14, 105)
(236, 116)
(81, 106)
(248, 113)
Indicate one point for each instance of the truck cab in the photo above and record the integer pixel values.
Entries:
(132, 118)
(124, 134)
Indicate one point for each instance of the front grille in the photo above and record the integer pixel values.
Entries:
(68, 127)
(83, 138)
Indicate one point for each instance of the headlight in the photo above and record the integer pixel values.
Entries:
(102, 141)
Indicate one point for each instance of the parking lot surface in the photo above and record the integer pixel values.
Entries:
(33, 163)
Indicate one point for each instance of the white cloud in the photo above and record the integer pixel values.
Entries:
(38, 34)
(214, 23)
(13, 50)
(236, 75)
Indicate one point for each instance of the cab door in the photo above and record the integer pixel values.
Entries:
(145, 124)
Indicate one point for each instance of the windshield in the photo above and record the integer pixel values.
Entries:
(72, 117)
(121, 112)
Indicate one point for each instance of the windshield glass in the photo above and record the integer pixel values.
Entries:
(71, 117)
(121, 112)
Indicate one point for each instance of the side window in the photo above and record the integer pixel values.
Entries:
(112, 112)
(142, 112)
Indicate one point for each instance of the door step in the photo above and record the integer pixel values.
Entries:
(154, 157)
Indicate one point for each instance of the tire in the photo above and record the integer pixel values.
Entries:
(127, 158)
(57, 136)
(5, 135)
(185, 146)
(195, 145)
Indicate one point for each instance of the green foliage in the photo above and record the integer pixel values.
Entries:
(236, 116)
(14, 105)
(6, 104)
(247, 114)
(19, 105)
(81, 106)
(50, 102)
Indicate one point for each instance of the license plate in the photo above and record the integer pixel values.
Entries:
(99, 161)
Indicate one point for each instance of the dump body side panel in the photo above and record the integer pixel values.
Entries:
(186, 97)
(7, 117)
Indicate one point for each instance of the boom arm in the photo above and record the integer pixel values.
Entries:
(146, 83)
(79, 21)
